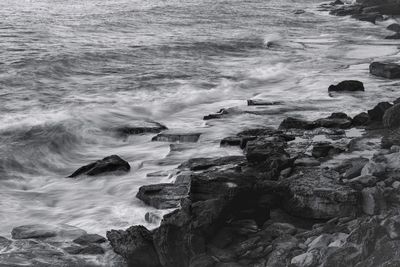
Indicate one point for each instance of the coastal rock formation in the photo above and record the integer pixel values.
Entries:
(376, 114)
(111, 163)
(350, 86)
(391, 118)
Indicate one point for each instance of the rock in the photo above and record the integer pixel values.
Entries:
(313, 193)
(346, 10)
(369, 17)
(392, 226)
(146, 127)
(395, 36)
(308, 259)
(203, 260)
(321, 241)
(335, 120)
(363, 181)
(135, 245)
(278, 229)
(259, 102)
(90, 249)
(271, 148)
(197, 164)
(361, 119)
(321, 149)
(391, 118)
(355, 168)
(111, 163)
(177, 137)
(373, 201)
(290, 123)
(307, 162)
(391, 138)
(376, 114)
(337, 3)
(163, 196)
(43, 231)
(89, 239)
(385, 70)
(217, 115)
(231, 141)
(394, 27)
(350, 85)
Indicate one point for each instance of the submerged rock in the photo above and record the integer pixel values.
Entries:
(197, 164)
(259, 102)
(394, 27)
(349, 85)
(43, 231)
(111, 163)
(290, 123)
(177, 137)
(89, 239)
(385, 70)
(147, 127)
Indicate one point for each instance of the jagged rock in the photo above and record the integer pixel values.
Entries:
(135, 245)
(373, 201)
(355, 167)
(385, 70)
(42, 231)
(197, 164)
(163, 196)
(177, 137)
(361, 119)
(394, 27)
(111, 163)
(376, 114)
(146, 127)
(313, 193)
(350, 85)
(391, 118)
(89, 239)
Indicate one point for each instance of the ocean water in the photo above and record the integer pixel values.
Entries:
(71, 71)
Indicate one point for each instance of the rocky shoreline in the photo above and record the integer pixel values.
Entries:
(310, 193)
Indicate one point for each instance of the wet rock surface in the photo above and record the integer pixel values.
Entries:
(111, 163)
(350, 86)
(385, 70)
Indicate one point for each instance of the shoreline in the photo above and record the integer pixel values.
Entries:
(281, 206)
(309, 193)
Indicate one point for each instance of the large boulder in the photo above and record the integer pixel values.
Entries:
(376, 114)
(315, 193)
(350, 86)
(135, 245)
(385, 70)
(391, 118)
(111, 163)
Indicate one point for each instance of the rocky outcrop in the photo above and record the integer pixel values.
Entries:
(391, 118)
(376, 114)
(111, 163)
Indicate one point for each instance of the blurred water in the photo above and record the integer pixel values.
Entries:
(71, 71)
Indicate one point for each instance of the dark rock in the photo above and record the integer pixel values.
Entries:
(361, 119)
(335, 120)
(347, 10)
(355, 168)
(395, 36)
(392, 8)
(217, 115)
(349, 85)
(290, 123)
(391, 138)
(394, 27)
(203, 260)
(369, 17)
(391, 118)
(313, 193)
(163, 196)
(148, 127)
(258, 102)
(108, 164)
(231, 141)
(177, 137)
(376, 114)
(135, 245)
(385, 70)
(337, 3)
(89, 239)
(322, 149)
(197, 164)
(92, 249)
